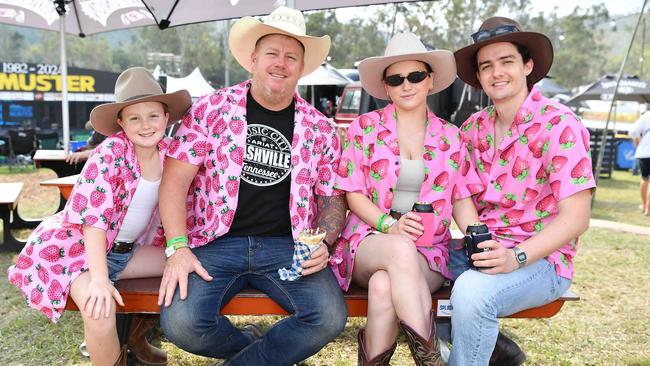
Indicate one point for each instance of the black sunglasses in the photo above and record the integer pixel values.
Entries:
(482, 35)
(413, 78)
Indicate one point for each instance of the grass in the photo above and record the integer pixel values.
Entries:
(610, 325)
(618, 199)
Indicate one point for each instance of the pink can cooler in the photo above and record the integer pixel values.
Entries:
(425, 211)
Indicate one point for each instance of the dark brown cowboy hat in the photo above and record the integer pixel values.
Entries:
(500, 29)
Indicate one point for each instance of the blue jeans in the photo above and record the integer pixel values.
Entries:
(316, 303)
(477, 300)
(117, 263)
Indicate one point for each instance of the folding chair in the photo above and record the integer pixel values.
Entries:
(22, 146)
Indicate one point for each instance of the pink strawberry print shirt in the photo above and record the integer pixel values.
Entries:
(543, 159)
(370, 165)
(212, 135)
(54, 255)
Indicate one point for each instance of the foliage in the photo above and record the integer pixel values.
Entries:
(581, 39)
(577, 43)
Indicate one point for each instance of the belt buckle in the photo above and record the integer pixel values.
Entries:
(122, 247)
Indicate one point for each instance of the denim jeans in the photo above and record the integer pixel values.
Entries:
(477, 300)
(117, 263)
(315, 302)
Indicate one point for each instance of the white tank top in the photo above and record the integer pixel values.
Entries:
(139, 212)
(409, 182)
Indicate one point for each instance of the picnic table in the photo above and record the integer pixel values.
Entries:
(55, 160)
(9, 193)
(64, 185)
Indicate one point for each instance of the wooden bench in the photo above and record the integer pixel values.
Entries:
(141, 296)
(9, 193)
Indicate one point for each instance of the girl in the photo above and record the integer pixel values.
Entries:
(393, 158)
(110, 227)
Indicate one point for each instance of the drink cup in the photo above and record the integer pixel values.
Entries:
(425, 211)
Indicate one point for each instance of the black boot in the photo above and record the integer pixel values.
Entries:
(506, 352)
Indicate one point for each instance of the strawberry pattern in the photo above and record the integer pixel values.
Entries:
(539, 163)
(376, 176)
(54, 255)
(217, 122)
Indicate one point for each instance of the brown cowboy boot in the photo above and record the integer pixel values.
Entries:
(425, 352)
(121, 358)
(383, 359)
(141, 326)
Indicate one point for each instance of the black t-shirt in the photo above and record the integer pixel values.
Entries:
(263, 207)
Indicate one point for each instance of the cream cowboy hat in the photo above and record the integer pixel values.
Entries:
(137, 85)
(245, 33)
(406, 47)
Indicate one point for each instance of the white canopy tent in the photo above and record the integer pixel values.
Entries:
(194, 83)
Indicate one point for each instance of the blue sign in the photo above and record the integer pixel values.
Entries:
(20, 111)
(625, 154)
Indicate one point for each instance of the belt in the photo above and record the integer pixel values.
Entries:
(121, 247)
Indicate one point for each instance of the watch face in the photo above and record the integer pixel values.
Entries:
(521, 257)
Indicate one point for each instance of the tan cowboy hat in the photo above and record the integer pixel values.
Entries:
(245, 33)
(500, 29)
(137, 85)
(406, 47)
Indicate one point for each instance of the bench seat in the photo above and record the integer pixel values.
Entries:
(141, 296)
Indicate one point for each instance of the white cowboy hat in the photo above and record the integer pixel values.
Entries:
(245, 33)
(137, 85)
(406, 47)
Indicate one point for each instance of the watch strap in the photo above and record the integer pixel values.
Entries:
(520, 256)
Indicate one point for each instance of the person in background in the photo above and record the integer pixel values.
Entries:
(84, 153)
(532, 155)
(393, 158)
(640, 134)
(110, 227)
(250, 168)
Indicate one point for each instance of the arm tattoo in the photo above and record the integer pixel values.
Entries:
(331, 213)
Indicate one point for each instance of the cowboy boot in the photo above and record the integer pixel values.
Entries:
(425, 352)
(141, 326)
(121, 358)
(383, 359)
(506, 352)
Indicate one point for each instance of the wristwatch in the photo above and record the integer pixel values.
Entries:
(170, 250)
(520, 256)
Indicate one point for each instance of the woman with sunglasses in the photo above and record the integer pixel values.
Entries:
(393, 158)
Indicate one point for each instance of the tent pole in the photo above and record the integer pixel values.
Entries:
(64, 87)
(603, 139)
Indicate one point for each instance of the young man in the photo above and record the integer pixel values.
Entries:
(253, 166)
(532, 155)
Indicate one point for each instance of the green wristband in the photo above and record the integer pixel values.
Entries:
(380, 221)
(177, 239)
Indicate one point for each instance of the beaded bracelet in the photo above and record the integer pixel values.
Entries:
(177, 239)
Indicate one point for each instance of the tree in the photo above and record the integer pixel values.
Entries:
(577, 42)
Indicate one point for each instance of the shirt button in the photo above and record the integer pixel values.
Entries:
(397, 163)
(492, 182)
(484, 216)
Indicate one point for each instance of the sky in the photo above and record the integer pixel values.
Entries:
(564, 7)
